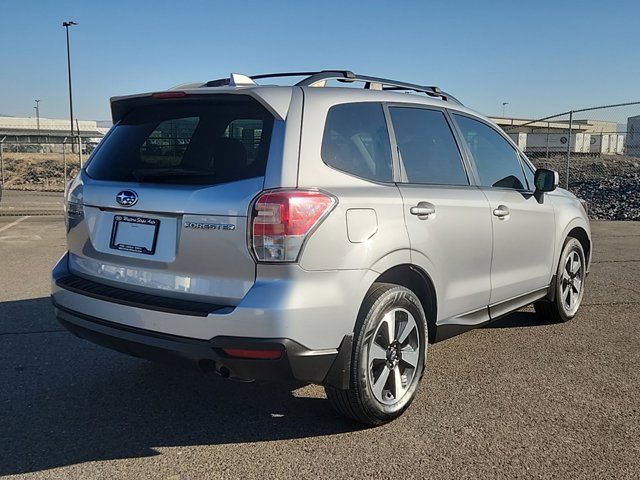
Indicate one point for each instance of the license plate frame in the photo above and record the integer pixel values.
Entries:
(120, 219)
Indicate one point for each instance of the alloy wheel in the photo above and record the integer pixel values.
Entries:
(394, 353)
(572, 282)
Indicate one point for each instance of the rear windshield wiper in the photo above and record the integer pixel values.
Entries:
(142, 173)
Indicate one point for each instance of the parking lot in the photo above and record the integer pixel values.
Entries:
(518, 399)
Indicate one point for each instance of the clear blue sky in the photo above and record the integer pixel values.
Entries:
(541, 56)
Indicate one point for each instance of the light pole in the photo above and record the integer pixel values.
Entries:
(504, 105)
(66, 25)
(37, 107)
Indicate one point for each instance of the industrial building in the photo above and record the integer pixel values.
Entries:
(50, 134)
(587, 136)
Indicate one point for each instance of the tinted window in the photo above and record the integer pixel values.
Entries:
(496, 160)
(186, 142)
(249, 133)
(168, 142)
(356, 141)
(427, 147)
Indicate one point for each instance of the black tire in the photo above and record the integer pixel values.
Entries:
(558, 311)
(360, 402)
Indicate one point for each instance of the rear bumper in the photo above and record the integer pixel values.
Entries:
(313, 308)
(325, 367)
(313, 350)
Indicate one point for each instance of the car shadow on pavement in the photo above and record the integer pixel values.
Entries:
(66, 401)
(519, 319)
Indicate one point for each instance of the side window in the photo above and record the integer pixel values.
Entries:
(428, 149)
(356, 141)
(496, 160)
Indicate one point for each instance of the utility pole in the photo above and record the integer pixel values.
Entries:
(79, 143)
(2, 163)
(37, 107)
(504, 105)
(66, 25)
(64, 161)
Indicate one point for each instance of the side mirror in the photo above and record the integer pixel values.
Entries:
(546, 180)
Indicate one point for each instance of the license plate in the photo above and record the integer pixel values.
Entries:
(134, 234)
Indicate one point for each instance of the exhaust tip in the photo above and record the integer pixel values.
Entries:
(224, 372)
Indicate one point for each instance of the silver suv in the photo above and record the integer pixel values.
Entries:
(320, 233)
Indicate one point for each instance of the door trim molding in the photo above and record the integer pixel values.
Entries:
(450, 327)
(506, 306)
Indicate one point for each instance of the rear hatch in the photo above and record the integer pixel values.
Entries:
(166, 196)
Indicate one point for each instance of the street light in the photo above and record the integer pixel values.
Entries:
(504, 104)
(37, 107)
(66, 25)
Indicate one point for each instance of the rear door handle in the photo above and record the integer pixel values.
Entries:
(423, 210)
(502, 211)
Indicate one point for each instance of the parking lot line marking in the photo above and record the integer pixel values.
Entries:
(12, 224)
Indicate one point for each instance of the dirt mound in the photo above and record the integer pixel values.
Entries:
(38, 171)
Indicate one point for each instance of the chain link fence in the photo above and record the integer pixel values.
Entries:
(595, 150)
(39, 167)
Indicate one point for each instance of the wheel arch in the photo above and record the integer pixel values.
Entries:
(577, 227)
(419, 282)
(582, 236)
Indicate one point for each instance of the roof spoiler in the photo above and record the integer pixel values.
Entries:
(276, 101)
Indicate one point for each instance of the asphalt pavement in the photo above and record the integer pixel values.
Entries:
(518, 399)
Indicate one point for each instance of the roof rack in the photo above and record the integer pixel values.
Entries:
(319, 79)
(229, 81)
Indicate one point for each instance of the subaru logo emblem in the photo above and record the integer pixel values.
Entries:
(127, 198)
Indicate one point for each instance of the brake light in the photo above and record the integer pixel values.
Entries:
(168, 95)
(282, 220)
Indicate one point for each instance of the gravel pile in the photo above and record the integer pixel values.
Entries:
(614, 198)
(611, 184)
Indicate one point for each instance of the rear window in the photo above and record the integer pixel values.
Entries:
(203, 142)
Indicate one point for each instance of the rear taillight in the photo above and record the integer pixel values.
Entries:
(73, 205)
(282, 220)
